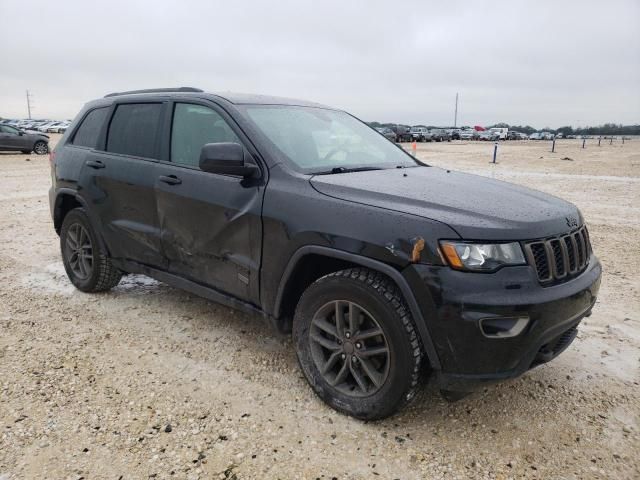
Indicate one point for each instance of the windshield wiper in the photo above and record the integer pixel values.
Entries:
(347, 170)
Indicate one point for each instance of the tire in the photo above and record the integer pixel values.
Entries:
(41, 147)
(87, 264)
(379, 308)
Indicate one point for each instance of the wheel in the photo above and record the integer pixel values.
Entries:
(41, 148)
(87, 265)
(357, 343)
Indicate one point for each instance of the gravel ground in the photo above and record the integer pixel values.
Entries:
(148, 381)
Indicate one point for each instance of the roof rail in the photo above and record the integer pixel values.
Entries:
(155, 90)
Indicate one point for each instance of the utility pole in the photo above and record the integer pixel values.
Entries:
(455, 118)
(29, 103)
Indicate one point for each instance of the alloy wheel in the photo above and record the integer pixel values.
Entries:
(79, 251)
(41, 148)
(349, 348)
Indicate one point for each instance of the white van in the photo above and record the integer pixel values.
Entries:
(502, 132)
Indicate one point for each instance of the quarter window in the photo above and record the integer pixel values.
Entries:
(89, 129)
(193, 127)
(134, 129)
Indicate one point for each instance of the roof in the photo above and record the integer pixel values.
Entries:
(235, 98)
(252, 99)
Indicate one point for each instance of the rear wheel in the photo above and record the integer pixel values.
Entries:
(41, 148)
(86, 263)
(357, 344)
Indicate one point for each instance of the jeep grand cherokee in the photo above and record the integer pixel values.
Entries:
(382, 267)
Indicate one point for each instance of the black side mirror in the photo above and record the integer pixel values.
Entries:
(226, 159)
(20, 132)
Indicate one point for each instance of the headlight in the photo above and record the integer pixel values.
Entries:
(482, 257)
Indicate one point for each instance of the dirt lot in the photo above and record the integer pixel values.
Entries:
(150, 382)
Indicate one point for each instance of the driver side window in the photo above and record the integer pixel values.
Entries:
(8, 129)
(194, 126)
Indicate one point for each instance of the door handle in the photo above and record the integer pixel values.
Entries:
(95, 164)
(170, 179)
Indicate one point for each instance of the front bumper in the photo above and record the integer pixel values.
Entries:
(454, 303)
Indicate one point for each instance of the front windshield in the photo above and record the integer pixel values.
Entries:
(318, 140)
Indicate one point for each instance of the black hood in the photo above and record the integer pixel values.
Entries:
(478, 208)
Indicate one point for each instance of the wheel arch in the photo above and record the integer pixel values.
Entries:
(68, 199)
(297, 276)
(64, 203)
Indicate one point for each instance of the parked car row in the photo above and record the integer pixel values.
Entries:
(44, 126)
(402, 133)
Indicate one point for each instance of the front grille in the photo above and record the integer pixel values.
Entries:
(559, 258)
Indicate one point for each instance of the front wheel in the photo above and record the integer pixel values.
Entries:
(357, 343)
(41, 148)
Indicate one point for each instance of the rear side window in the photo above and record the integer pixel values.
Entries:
(87, 134)
(134, 128)
(193, 127)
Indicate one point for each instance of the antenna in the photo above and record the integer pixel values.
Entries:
(29, 97)
(455, 117)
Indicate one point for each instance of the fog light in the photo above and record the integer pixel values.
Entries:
(503, 327)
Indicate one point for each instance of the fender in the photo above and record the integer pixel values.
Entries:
(383, 268)
(73, 193)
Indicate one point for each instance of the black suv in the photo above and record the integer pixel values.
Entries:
(382, 267)
(403, 133)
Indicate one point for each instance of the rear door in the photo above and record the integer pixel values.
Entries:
(119, 176)
(211, 224)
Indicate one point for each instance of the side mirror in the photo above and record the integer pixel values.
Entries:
(226, 159)
(20, 132)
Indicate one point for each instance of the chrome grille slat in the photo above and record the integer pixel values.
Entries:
(558, 258)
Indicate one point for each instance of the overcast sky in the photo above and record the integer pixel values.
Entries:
(544, 63)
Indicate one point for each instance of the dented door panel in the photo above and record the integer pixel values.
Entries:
(211, 229)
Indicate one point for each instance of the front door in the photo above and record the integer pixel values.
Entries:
(210, 224)
(11, 139)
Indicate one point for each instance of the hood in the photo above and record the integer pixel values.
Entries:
(478, 208)
(36, 132)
